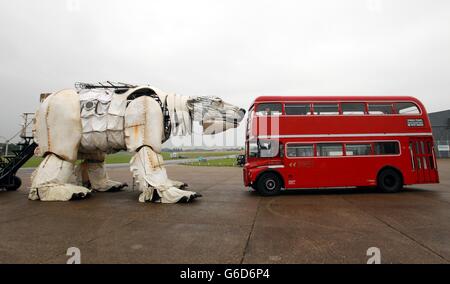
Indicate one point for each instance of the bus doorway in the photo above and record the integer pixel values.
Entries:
(423, 160)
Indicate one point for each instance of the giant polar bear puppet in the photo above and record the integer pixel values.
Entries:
(92, 121)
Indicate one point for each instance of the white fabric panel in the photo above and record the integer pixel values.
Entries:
(116, 140)
(60, 192)
(99, 178)
(115, 123)
(102, 121)
(50, 181)
(99, 124)
(86, 126)
(96, 94)
(94, 123)
(179, 114)
(95, 141)
(150, 175)
(102, 108)
(40, 128)
(118, 105)
(135, 113)
(144, 124)
(86, 143)
(58, 125)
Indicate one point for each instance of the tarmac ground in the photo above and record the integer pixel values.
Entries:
(230, 224)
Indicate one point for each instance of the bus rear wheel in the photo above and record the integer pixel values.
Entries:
(269, 184)
(390, 181)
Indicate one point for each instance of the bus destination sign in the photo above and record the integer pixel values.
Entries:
(415, 122)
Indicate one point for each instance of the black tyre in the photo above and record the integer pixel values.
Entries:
(17, 183)
(269, 184)
(390, 181)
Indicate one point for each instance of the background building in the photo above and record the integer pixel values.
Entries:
(440, 122)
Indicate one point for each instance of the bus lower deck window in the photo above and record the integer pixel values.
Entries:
(358, 149)
(253, 150)
(329, 150)
(387, 148)
(300, 150)
(268, 148)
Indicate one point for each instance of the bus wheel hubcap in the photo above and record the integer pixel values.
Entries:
(389, 181)
(270, 184)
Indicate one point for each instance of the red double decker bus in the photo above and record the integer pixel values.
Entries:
(319, 142)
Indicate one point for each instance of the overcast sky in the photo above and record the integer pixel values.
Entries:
(233, 49)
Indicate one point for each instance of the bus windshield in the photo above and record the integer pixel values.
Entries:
(264, 148)
(250, 116)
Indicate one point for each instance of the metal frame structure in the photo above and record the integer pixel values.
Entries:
(10, 164)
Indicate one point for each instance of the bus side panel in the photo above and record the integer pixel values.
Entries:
(340, 172)
(345, 171)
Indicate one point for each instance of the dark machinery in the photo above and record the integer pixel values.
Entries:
(12, 162)
(240, 160)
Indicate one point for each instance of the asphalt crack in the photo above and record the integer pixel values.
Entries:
(250, 234)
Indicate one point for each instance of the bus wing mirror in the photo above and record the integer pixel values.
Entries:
(265, 146)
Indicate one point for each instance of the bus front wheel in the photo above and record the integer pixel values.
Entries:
(269, 184)
(390, 181)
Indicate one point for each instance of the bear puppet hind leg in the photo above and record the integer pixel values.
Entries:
(98, 177)
(153, 182)
(178, 184)
(50, 181)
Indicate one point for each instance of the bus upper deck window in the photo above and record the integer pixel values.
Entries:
(353, 108)
(326, 109)
(250, 122)
(407, 108)
(297, 109)
(380, 108)
(267, 109)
